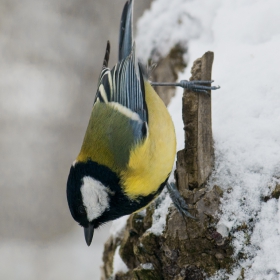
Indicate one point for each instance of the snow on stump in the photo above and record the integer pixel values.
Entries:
(158, 243)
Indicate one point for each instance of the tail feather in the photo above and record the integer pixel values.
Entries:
(107, 56)
(126, 31)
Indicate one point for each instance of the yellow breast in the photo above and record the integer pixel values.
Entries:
(151, 162)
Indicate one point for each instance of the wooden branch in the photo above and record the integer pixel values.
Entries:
(195, 162)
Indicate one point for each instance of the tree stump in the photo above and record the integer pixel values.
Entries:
(186, 249)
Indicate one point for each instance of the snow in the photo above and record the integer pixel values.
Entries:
(118, 264)
(118, 226)
(142, 213)
(148, 266)
(223, 230)
(159, 217)
(245, 37)
(267, 230)
(164, 25)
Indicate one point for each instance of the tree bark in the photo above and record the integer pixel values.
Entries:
(196, 161)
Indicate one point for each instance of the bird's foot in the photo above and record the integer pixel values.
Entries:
(179, 201)
(198, 86)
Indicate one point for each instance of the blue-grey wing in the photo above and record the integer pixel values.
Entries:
(124, 84)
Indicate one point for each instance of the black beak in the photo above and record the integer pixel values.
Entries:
(89, 233)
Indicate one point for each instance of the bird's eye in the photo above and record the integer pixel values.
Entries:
(81, 210)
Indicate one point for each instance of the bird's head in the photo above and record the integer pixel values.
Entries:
(96, 196)
(89, 195)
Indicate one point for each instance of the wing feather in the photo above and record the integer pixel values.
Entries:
(124, 83)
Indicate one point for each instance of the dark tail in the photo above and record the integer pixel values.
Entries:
(126, 31)
(107, 55)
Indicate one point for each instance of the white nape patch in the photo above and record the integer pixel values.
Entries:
(125, 111)
(95, 197)
(74, 163)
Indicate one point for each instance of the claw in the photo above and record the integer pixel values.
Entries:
(178, 201)
(197, 86)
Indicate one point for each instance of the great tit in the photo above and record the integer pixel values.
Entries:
(129, 145)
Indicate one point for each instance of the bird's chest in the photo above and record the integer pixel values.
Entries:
(151, 162)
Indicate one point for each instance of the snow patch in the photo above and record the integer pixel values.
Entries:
(118, 226)
(170, 23)
(161, 211)
(142, 213)
(118, 264)
(148, 266)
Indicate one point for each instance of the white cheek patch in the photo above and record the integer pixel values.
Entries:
(95, 197)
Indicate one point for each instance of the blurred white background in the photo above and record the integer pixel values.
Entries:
(51, 53)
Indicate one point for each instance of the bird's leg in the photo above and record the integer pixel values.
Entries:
(196, 86)
(179, 201)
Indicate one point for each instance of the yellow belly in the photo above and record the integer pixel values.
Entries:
(151, 162)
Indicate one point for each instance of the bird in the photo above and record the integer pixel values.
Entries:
(129, 146)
